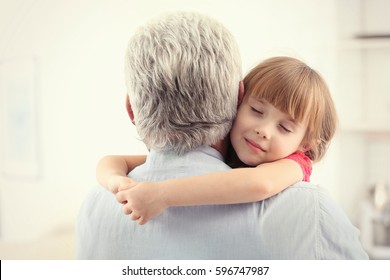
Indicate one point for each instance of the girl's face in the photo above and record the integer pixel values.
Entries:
(261, 133)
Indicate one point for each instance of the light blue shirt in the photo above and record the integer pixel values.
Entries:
(301, 222)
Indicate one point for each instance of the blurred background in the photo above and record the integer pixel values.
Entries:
(62, 107)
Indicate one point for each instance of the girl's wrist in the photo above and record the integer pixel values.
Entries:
(165, 193)
(113, 183)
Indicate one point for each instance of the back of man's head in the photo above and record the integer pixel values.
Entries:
(182, 75)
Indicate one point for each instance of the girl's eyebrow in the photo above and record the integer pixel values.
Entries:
(261, 101)
(297, 124)
(293, 121)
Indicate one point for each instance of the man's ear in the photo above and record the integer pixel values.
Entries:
(129, 109)
(241, 92)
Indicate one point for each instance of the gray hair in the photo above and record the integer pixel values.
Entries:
(182, 75)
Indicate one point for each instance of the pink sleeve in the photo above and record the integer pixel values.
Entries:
(304, 162)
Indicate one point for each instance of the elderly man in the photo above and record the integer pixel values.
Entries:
(182, 76)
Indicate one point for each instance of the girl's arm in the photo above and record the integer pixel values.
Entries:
(233, 186)
(111, 171)
(148, 199)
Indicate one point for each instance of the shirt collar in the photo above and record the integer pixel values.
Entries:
(202, 149)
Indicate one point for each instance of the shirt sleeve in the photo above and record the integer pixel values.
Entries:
(304, 162)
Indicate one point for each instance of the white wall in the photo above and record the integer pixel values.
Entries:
(79, 47)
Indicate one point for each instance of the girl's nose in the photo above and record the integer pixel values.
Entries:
(263, 133)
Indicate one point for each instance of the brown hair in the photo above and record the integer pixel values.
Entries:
(298, 90)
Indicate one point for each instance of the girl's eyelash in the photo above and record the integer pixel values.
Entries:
(257, 111)
(285, 128)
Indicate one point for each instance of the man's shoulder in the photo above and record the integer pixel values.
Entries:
(305, 197)
(318, 222)
(306, 186)
(303, 189)
(306, 189)
(325, 212)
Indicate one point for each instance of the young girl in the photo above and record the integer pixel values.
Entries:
(284, 123)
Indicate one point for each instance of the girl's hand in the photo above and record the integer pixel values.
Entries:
(117, 183)
(143, 202)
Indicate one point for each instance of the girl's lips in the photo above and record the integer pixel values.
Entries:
(254, 145)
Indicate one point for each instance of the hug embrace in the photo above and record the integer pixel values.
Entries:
(230, 158)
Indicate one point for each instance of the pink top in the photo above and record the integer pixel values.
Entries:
(304, 162)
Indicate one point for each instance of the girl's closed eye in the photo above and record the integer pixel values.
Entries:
(258, 111)
(285, 128)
